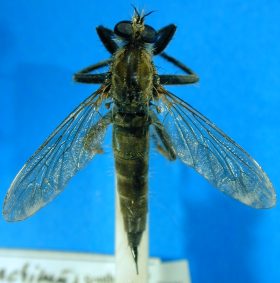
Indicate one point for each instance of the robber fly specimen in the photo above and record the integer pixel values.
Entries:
(133, 99)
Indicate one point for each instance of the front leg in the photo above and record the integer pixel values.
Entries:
(107, 37)
(84, 76)
(164, 36)
(161, 138)
(190, 78)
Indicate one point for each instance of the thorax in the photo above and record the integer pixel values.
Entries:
(132, 75)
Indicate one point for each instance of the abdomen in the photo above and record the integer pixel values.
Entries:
(131, 147)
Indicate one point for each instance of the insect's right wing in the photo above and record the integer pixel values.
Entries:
(68, 149)
(184, 132)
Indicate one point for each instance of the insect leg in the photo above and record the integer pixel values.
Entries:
(164, 36)
(162, 139)
(190, 78)
(83, 75)
(106, 36)
(93, 133)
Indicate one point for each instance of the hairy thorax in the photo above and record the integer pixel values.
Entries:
(132, 78)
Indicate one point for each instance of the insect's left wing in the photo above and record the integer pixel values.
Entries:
(68, 149)
(183, 131)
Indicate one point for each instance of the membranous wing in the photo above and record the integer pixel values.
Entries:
(200, 144)
(68, 149)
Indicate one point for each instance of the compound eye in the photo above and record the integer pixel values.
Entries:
(149, 34)
(123, 29)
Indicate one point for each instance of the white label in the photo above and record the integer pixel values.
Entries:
(21, 266)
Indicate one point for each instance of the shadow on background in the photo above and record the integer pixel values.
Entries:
(43, 96)
(220, 240)
(46, 92)
(7, 40)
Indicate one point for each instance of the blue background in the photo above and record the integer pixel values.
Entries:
(234, 46)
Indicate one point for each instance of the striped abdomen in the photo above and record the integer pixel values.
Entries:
(131, 147)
